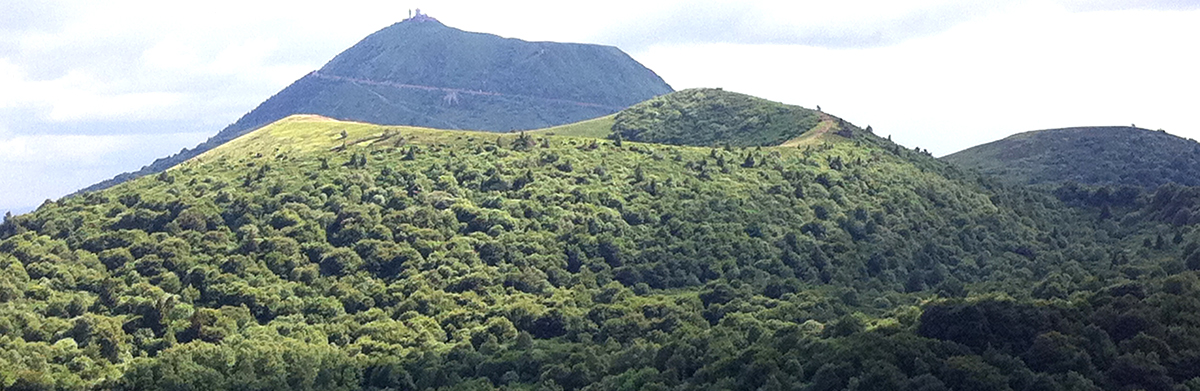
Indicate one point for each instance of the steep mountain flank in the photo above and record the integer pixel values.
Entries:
(428, 74)
(420, 72)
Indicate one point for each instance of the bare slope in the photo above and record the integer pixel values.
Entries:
(594, 128)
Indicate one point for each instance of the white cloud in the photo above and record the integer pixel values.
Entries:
(79, 149)
(84, 105)
(170, 54)
(85, 150)
(246, 54)
(81, 95)
(843, 24)
(10, 82)
(34, 168)
(1111, 5)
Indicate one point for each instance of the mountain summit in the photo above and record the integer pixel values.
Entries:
(1111, 155)
(420, 72)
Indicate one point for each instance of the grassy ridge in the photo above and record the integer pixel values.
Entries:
(712, 116)
(594, 128)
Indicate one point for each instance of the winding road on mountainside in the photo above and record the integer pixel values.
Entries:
(456, 91)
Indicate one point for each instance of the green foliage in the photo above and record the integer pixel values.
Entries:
(711, 117)
(1124, 337)
(594, 128)
(1094, 155)
(283, 260)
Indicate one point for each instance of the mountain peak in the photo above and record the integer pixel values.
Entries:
(421, 72)
(458, 66)
(1097, 155)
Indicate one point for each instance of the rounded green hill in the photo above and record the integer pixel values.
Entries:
(713, 116)
(1116, 155)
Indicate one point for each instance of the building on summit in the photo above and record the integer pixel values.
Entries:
(419, 17)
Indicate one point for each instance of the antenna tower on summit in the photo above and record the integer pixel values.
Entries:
(417, 16)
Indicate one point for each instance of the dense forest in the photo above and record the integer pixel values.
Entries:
(325, 255)
(1111, 156)
(713, 117)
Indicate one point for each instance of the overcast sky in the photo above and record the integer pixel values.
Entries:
(90, 89)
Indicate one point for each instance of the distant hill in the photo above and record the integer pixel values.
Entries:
(712, 116)
(420, 72)
(1117, 155)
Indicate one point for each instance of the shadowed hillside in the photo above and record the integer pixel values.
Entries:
(1116, 155)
